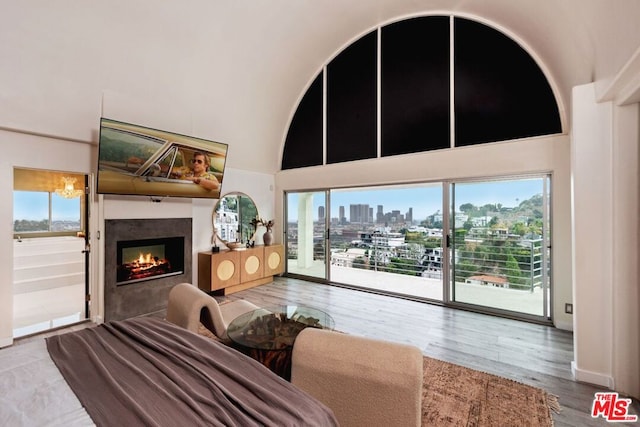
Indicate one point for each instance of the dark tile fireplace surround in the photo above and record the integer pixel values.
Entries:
(146, 297)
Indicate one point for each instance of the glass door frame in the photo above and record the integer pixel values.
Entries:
(325, 239)
(449, 265)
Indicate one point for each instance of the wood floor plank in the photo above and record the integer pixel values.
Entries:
(533, 354)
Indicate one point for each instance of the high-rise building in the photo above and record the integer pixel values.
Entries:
(380, 214)
(359, 213)
(320, 213)
(341, 219)
(409, 215)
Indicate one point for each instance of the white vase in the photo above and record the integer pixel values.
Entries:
(257, 236)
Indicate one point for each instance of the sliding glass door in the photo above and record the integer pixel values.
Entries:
(383, 238)
(477, 244)
(500, 254)
(388, 238)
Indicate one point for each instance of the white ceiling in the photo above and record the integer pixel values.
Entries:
(234, 71)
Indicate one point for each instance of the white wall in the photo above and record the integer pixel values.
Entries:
(605, 162)
(626, 270)
(547, 154)
(591, 164)
(233, 73)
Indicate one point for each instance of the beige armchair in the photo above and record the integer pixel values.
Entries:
(188, 306)
(366, 382)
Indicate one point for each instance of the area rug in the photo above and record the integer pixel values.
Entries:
(453, 395)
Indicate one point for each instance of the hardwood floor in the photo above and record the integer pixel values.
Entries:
(529, 353)
(533, 354)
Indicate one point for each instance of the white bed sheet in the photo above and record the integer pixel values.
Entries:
(33, 392)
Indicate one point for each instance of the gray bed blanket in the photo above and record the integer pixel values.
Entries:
(146, 371)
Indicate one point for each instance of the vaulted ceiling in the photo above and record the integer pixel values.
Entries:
(234, 71)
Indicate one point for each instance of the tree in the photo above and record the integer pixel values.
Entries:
(535, 227)
(460, 233)
(402, 266)
(489, 207)
(465, 269)
(21, 225)
(413, 236)
(482, 255)
(519, 228)
(514, 275)
(230, 203)
(467, 207)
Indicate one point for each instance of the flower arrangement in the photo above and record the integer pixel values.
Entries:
(259, 221)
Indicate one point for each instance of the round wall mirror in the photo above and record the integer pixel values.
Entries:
(232, 218)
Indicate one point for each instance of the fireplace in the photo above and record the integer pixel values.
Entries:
(143, 290)
(147, 259)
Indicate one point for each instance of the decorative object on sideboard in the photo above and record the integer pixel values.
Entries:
(217, 244)
(258, 235)
(235, 245)
(263, 231)
(267, 237)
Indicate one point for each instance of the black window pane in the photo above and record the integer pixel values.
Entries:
(500, 92)
(303, 146)
(415, 85)
(351, 102)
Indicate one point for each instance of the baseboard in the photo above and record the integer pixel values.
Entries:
(566, 326)
(5, 342)
(594, 378)
(243, 286)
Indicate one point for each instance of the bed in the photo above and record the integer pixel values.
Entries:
(145, 371)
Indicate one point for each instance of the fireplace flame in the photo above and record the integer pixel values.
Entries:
(145, 265)
(142, 259)
(146, 261)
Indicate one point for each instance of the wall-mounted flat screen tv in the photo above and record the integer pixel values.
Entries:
(136, 160)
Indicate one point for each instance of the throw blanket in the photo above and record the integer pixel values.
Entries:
(147, 371)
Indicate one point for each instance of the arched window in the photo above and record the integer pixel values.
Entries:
(497, 90)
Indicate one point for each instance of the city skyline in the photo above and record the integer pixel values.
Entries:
(425, 199)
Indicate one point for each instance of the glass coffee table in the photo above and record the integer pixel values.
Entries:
(267, 334)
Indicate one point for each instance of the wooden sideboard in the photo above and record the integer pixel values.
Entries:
(229, 271)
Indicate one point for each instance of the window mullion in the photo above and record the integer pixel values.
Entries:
(50, 211)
